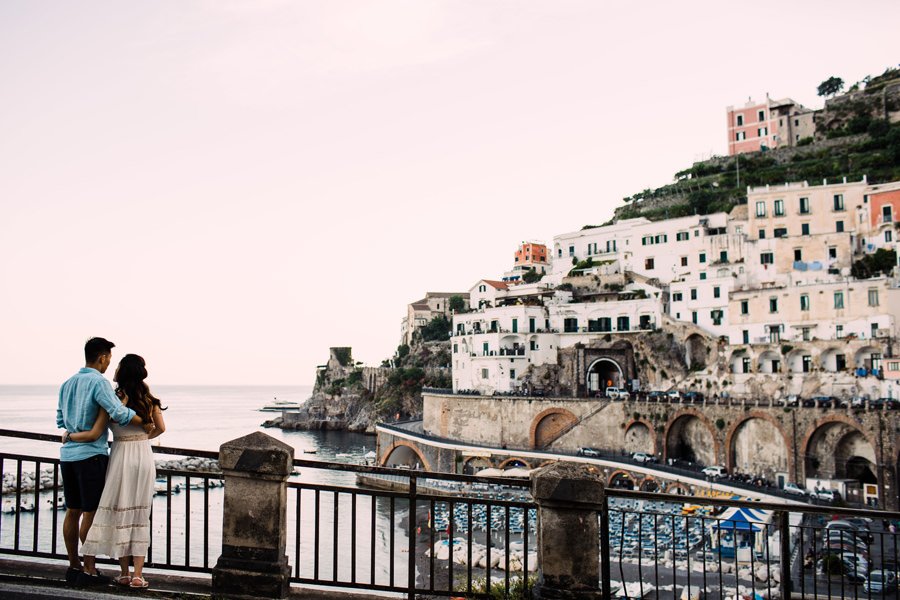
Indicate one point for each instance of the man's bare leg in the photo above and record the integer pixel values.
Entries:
(70, 536)
(87, 519)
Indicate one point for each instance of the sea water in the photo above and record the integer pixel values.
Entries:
(203, 418)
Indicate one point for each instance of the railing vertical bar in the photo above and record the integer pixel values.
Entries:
(718, 535)
(604, 549)
(150, 549)
(525, 532)
(801, 543)
(768, 530)
(752, 556)
(431, 551)
(450, 531)
(316, 538)
(487, 541)
(507, 552)
(392, 553)
(37, 504)
(353, 496)
(336, 519)
(2, 475)
(372, 543)
(17, 526)
(187, 521)
(411, 564)
(206, 522)
(894, 561)
(298, 497)
(55, 524)
(640, 516)
(703, 549)
(169, 519)
(687, 548)
(656, 548)
(469, 536)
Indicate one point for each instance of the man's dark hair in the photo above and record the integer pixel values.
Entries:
(94, 347)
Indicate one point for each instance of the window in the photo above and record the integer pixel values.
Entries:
(455, 348)
(702, 275)
(570, 325)
(716, 316)
(682, 236)
(807, 363)
(797, 124)
(839, 226)
(762, 234)
(804, 334)
(804, 206)
(745, 307)
(745, 336)
(648, 264)
(774, 334)
(684, 261)
(512, 373)
(780, 232)
(723, 256)
(571, 250)
(838, 331)
(832, 252)
(762, 131)
(605, 323)
(779, 208)
(840, 362)
(716, 292)
(484, 349)
(760, 209)
(484, 373)
(894, 366)
(773, 305)
(804, 229)
(559, 252)
(838, 202)
(745, 364)
(693, 293)
(740, 136)
(888, 236)
(677, 297)
(874, 328)
(694, 317)
(623, 324)
(767, 258)
(533, 345)
(740, 120)
(804, 302)
(702, 257)
(515, 326)
(798, 254)
(761, 115)
(839, 300)
(887, 213)
(873, 297)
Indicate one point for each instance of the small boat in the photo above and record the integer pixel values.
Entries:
(342, 455)
(310, 451)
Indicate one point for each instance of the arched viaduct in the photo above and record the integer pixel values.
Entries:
(780, 444)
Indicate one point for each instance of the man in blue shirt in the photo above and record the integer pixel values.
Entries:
(83, 465)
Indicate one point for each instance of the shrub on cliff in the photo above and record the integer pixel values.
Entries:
(438, 330)
(872, 265)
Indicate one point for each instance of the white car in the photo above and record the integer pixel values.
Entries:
(794, 490)
(714, 471)
(643, 457)
(617, 393)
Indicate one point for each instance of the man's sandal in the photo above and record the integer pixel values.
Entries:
(139, 582)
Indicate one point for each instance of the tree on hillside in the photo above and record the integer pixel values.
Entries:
(457, 304)
(830, 86)
(532, 276)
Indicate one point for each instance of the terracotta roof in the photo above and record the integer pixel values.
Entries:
(420, 306)
(500, 285)
(446, 294)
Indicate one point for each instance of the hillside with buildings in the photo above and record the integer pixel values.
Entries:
(776, 141)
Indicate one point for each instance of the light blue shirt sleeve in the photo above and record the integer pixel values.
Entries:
(107, 399)
(60, 424)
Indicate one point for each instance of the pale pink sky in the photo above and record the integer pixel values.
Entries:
(229, 188)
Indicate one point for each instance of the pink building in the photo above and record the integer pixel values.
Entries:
(765, 125)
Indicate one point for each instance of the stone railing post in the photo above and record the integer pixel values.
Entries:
(254, 522)
(568, 498)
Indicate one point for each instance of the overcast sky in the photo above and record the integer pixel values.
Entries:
(229, 188)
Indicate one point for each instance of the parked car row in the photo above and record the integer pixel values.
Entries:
(857, 402)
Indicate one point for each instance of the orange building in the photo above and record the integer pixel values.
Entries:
(531, 254)
(885, 208)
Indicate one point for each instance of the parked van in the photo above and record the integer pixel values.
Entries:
(617, 393)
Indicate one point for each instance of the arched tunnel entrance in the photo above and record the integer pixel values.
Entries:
(604, 373)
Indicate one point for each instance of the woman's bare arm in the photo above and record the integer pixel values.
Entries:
(157, 417)
(95, 432)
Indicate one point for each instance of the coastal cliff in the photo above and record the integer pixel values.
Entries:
(351, 397)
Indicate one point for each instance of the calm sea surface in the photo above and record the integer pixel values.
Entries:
(202, 418)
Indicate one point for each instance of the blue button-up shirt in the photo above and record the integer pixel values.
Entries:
(80, 400)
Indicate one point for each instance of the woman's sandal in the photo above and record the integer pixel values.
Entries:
(139, 582)
(124, 580)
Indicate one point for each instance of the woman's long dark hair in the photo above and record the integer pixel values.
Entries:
(130, 378)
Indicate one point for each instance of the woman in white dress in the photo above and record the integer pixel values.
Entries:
(121, 527)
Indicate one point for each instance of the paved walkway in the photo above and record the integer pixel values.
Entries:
(46, 579)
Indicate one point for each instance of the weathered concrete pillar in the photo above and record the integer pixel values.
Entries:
(568, 497)
(254, 523)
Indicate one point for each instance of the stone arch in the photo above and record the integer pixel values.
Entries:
(769, 362)
(832, 443)
(696, 352)
(682, 425)
(618, 478)
(649, 484)
(512, 340)
(600, 372)
(678, 488)
(731, 441)
(473, 464)
(642, 439)
(515, 461)
(548, 425)
(794, 359)
(735, 361)
(399, 446)
(828, 359)
(862, 358)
